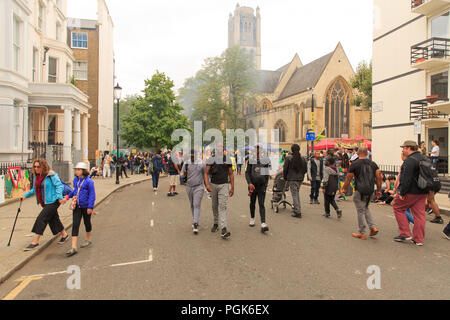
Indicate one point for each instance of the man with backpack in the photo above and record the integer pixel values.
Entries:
(257, 176)
(366, 174)
(416, 180)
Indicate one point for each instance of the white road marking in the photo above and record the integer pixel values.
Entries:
(152, 223)
(150, 259)
(44, 275)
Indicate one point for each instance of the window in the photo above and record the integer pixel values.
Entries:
(440, 26)
(439, 85)
(40, 16)
(52, 69)
(282, 127)
(79, 40)
(35, 65)
(58, 31)
(16, 43)
(337, 109)
(80, 70)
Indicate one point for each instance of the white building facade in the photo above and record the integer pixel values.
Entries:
(411, 61)
(42, 112)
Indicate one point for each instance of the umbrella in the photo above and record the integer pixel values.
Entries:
(325, 144)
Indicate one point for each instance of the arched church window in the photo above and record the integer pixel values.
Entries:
(282, 127)
(337, 109)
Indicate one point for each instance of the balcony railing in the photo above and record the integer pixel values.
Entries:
(420, 110)
(428, 7)
(434, 48)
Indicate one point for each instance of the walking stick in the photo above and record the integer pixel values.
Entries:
(18, 211)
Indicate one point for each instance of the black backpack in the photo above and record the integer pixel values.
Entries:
(333, 185)
(428, 179)
(259, 174)
(365, 181)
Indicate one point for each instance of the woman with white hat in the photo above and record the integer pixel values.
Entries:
(83, 197)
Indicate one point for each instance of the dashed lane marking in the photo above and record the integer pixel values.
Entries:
(150, 259)
(152, 223)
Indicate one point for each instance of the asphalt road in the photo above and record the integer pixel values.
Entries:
(144, 249)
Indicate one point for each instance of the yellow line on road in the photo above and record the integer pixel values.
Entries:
(17, 290)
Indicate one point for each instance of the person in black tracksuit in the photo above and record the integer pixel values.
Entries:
(315, 176)
(257, 176)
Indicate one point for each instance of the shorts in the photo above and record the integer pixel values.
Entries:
(173, 180)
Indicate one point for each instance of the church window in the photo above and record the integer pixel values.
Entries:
(337, 109)
(282, 127)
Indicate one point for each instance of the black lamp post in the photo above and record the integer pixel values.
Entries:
(117, 96)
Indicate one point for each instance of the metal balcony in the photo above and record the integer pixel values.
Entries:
(430, 54)
(428, 7)
(425, 110)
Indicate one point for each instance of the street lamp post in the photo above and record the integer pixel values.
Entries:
(312, 117)
(117, 96)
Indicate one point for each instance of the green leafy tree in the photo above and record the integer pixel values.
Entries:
(362, 81)
(154, 116)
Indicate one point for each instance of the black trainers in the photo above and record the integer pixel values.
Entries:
(437, 220)
(327, 215)
(225, 233)
(402, 239)
(195, 229)
(215, 228)
(264, 228)
(63, 240)
(430, 211)
(418, 244)
(31, 247)
(297, 215)
(339, 214)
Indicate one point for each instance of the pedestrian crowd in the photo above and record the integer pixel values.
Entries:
(342, 173)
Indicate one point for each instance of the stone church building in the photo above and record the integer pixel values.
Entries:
(285, 96)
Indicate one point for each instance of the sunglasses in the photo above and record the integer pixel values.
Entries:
(37, 167)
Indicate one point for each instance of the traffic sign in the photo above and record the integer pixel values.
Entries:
(311, 136)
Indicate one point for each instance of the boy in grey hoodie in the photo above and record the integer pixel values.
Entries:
(330, 187)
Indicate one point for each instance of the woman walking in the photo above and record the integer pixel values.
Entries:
(48, 189)
(83, 205)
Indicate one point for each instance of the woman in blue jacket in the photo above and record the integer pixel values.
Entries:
(83, 197)
(48, 189)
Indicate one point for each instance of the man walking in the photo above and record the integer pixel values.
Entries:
(221, 171)
(174, 172)
(156, 167)
(366, 174)
(257, 176)
(194, 172)
(410, 196)
(294, 170)
(315, 176)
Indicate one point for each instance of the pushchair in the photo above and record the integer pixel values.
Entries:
(279, 193)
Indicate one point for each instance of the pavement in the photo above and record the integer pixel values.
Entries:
(13, 258)
(143, 248)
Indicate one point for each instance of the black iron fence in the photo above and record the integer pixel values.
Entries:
(431, 48)
(394, 170)
(419, 110)
(24, 166)
(39, 150)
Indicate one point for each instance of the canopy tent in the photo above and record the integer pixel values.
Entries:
(324, 145)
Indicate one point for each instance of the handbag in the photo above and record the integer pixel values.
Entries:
(73, 206)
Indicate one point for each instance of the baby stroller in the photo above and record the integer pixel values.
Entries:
(279, 193)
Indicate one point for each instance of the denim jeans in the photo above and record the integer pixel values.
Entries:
(315, 189)
(155, 179)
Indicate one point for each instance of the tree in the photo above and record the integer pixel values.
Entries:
(125, 106)
(155, 116)
(362, 81)
(221, 88)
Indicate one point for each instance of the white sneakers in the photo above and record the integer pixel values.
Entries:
(252, 223)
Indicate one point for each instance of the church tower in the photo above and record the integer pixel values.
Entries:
(244, 30)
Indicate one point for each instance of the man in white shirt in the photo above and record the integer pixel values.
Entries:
(435, 153)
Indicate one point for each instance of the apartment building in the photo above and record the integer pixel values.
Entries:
(43, 113)
(411, 59)
(92, 44)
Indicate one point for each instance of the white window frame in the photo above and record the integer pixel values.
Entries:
(56, 73)
(430, 20)
(77, 71)
(35, 66)
(17, 46)
(41, 17)
(71, 40)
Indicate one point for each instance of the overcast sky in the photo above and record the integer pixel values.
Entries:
(175, 36)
